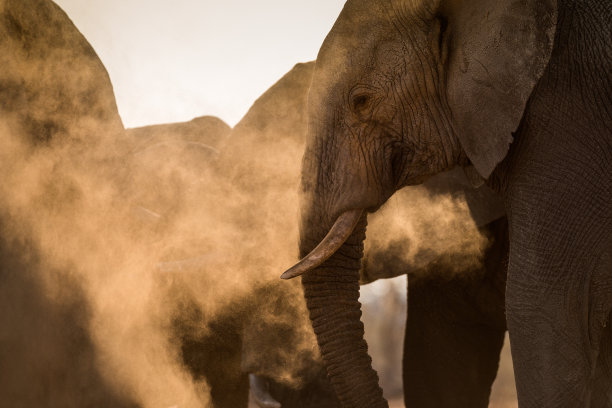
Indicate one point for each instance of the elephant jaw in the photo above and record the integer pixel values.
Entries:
(337, 235)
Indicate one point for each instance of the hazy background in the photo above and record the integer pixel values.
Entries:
(173, 61)
(170, 61)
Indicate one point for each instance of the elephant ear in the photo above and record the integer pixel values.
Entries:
(498, 51)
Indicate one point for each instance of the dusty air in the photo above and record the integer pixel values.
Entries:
(334, 204)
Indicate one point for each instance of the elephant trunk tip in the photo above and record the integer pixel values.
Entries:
(337, 235)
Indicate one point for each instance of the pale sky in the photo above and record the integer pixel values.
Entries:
(171, 61)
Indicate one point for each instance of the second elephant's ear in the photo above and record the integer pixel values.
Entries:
(498, 50)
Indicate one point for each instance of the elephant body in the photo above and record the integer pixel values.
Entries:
(557, 184)
(40, 100)
(54, 94)
(48, 356)
(517, 94)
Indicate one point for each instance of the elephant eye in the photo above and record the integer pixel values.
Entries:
(361, 103)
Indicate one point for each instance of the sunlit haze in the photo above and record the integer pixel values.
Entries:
(172, 61)
(140, 267)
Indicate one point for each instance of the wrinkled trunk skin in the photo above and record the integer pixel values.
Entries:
(332, 297)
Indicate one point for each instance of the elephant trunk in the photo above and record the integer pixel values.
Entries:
(332, 296)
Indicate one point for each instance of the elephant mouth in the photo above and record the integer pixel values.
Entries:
(337, 235)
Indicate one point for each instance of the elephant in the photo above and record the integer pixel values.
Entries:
(155, 187)
(40, 101)
(517, 93)
(250, 154)
(265, 145)
(54, 94)
(48, 356)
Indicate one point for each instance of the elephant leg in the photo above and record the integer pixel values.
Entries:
(455, 330)
(602, 387)
(558, 296)
(557, 305)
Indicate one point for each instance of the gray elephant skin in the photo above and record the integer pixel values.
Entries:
(517, 93)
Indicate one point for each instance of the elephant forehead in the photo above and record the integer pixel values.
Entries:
(368, 44)
(360, 26)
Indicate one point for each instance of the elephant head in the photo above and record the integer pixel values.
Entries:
(402, 90)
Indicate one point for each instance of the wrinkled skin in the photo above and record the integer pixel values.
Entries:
(518, 94)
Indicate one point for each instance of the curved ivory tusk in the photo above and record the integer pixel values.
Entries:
(339, 232)
(259, 391)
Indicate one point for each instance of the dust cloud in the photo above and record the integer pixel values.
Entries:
(127, 255)
(420, 225)
(131, 237)
(66, 223)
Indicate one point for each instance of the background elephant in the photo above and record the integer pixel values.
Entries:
(404, 90)
(249, 333)
(54, 94)
(208, 130)
(77, 189)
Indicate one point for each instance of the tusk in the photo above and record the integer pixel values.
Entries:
(337, 235)
(260, 393)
